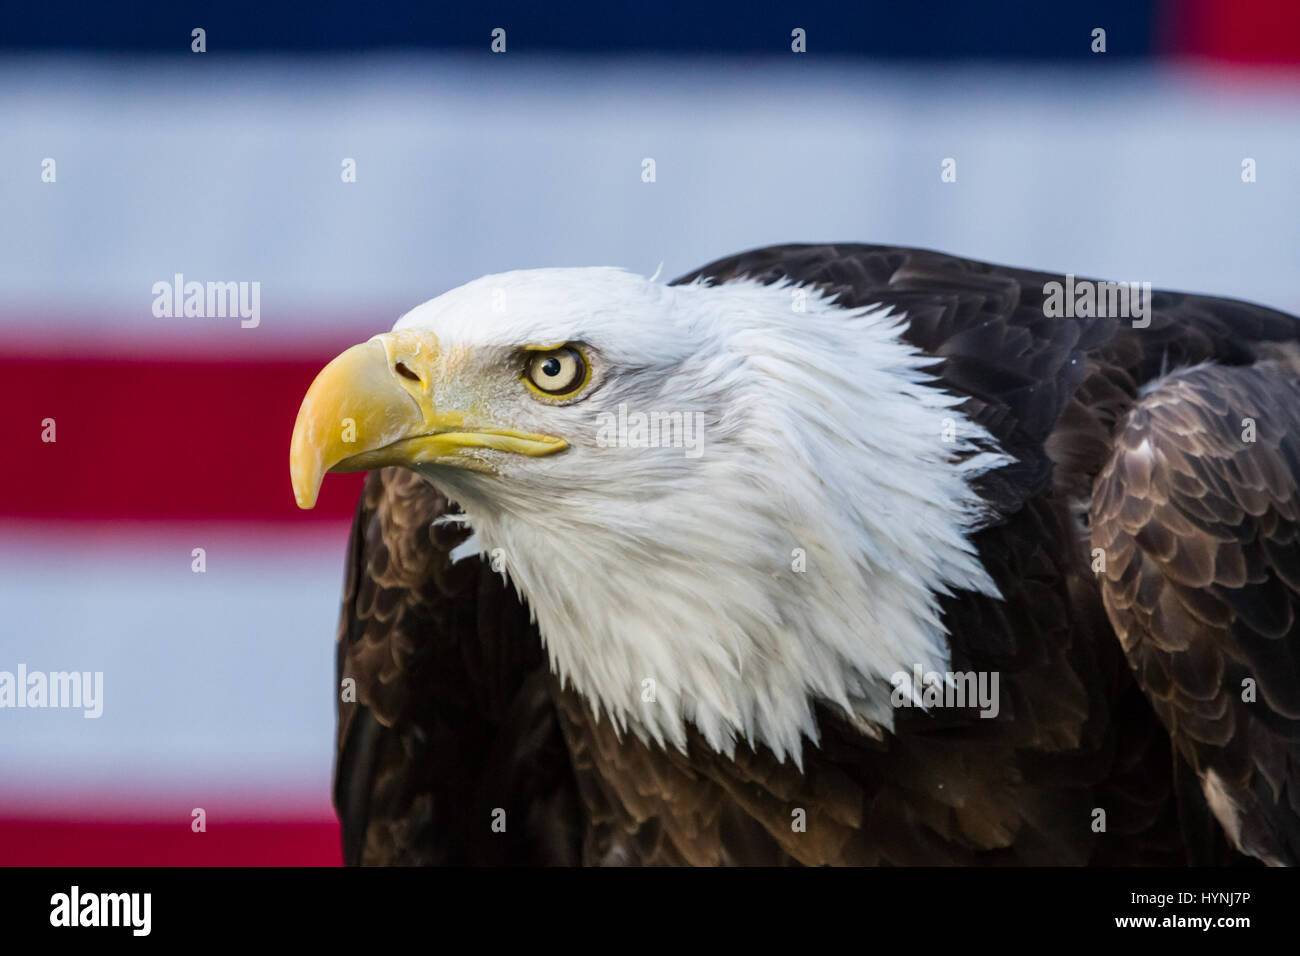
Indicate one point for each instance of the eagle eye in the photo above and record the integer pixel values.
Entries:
(558, 372)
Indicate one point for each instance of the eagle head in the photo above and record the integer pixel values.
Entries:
(724, 504)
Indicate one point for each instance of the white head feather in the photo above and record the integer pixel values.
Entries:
(823, 437)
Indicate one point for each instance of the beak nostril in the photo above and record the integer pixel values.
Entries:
(405, 372)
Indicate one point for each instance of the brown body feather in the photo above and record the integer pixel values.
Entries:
(457, 716)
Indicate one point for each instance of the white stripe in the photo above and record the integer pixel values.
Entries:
(216, 685)
(228, 169)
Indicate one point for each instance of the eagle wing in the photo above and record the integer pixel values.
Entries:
(1197, 519)
(449, 746)
(1052, 391)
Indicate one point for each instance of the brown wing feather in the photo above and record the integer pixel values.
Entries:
(453, 715)
(1200, 528)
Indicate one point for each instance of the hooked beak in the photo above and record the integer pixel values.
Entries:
(372, 406)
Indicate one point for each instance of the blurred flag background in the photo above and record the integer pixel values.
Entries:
(126, 158)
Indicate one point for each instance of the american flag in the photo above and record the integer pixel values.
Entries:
(149, 530)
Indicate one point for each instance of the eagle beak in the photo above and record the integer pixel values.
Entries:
(373, 406)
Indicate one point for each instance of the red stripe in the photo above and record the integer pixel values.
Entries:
(157, 439)
(1265, 32)
(156, 843)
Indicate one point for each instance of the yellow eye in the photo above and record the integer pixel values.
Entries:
(557, 372)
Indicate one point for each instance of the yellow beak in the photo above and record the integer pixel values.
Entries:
(373, 406)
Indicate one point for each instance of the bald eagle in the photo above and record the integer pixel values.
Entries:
(710, 571)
